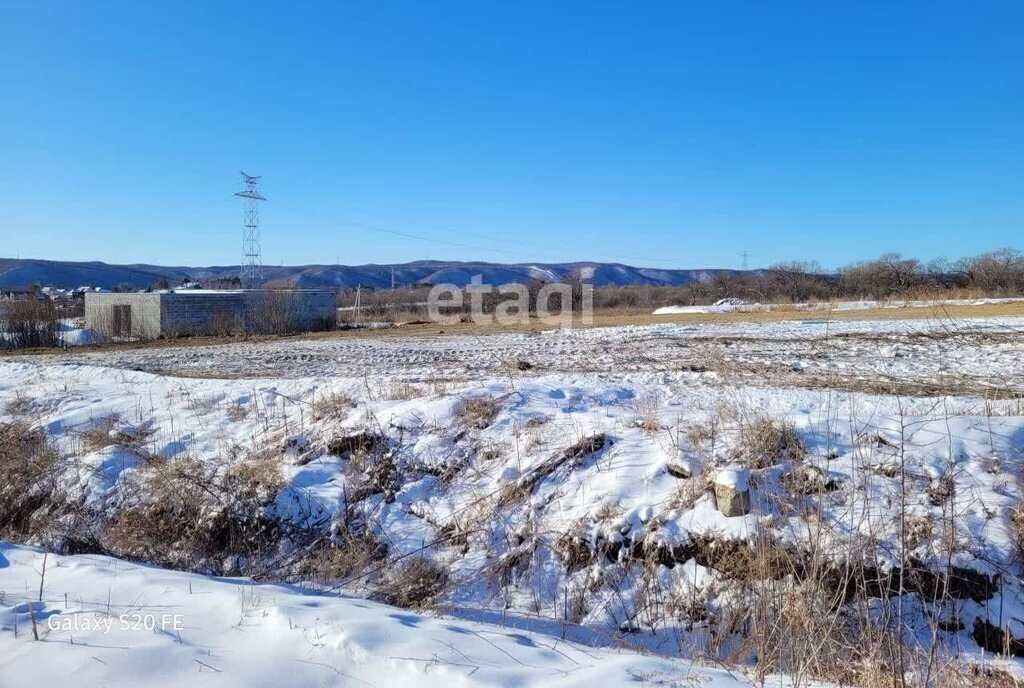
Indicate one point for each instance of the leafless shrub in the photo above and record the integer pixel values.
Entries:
(257, 476)
(648, 410)
(111, 431)
(372, 467)
(29, 467)
(182, 514)
(941, 490)
(332, 405)
(765, 442)
(350, 554)
(364, 442)
(476, 411)
(19, 405)
(29, 324)
(237, 412)
(415, 582)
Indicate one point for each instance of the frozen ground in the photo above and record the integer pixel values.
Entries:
(979, 356)
(606, 546)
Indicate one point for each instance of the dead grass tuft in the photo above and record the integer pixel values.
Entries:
(571, 456)
(29, 465)
(400, 390)
(766, 442)
(182, 514)
(257, 476)
(349, 554)
(332, 405)
(414, 583)
(237, 412)
(476, 412)
(20, 405)
(110, 431)
(648, 411)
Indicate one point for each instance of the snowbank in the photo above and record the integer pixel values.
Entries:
(102, 621)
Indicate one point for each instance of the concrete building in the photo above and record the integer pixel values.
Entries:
(182, 312)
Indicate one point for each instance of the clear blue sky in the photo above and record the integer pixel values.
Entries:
(670, 134)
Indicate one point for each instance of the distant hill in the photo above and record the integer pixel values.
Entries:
(67, 275)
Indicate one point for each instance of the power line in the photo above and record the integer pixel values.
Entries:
(531, 257)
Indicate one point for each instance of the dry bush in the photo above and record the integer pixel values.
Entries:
(476, 412)
(765, 442)
(648, 410)
(349, 554)
(182, 514)
(99, 434)
(29, 467)
(364, 442)
(416, 582)
(371, 465)
(332, 405)
(20, 405)
(237, 412)
(29, 324)
(399, 390)
(688, 492)
(109, 431)
(257, 476)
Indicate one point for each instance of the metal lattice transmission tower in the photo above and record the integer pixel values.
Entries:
(252, 263)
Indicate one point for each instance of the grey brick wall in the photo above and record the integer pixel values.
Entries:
(182, 313)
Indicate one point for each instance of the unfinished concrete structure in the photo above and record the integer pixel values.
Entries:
(183, 312)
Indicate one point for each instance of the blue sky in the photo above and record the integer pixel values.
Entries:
(670, 134)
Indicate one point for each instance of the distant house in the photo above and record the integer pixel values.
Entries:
(21, 294)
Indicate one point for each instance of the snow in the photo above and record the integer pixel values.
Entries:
(732, 478)
(734, 305)
(644, 388)
(113, 623)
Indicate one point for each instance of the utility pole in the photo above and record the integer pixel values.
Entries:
(252, 258)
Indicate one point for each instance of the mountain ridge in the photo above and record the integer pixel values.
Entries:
(20, 272)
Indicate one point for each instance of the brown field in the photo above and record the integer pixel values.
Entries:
(615, 318)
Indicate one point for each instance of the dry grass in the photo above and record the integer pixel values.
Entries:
(648, 413)
(237, 412)
(19, 405)
(350, 554)
(765, 442)
(183, 514)
(28, 477)
(259, 476)
(571, 456)
(332, 405)
(111, 431)
(415, 582)
(398, 390)
(476, 411)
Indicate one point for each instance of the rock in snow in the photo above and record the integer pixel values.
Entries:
(732, 492)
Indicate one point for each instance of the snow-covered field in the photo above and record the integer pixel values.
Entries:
(971, 355)
(562, 481)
